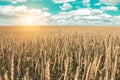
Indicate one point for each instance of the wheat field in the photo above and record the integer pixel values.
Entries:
(59, 53)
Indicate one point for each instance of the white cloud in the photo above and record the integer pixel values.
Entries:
(82, 12)
(11, 15)
(63, 1)
(13, 11)
(66, 6)
(45, 9)
(111, 2)
(76, 17)
(86, 1)
(15, 1)
(96, 12)
(35, 12)
(20, 9)
(117, 18)
(109, 8)
(97, 4)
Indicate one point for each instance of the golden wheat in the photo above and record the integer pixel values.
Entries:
(60, 53)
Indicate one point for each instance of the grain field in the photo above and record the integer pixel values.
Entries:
(59, 53)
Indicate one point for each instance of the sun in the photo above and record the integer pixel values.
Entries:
(29, 20)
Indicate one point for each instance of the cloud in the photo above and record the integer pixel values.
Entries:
(18, 15)
(117, 18)
(83, 12)
(109, 8)
(19, 10)
(14, 1)
(96, 11)
(83, 17)
(86, 1)
(11, 15)
(110, 2)
(13, 11)
(62, 1)
(66, 6)
(97, 4)
(45, 9)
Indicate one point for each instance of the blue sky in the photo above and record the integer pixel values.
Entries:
(60, 12)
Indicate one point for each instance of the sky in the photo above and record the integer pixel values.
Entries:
(60, 12)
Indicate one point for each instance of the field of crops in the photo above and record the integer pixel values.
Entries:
(59, 53)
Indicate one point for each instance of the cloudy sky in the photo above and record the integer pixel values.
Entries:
(60, 12)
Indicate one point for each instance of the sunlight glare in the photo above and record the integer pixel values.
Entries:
(29, 20)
